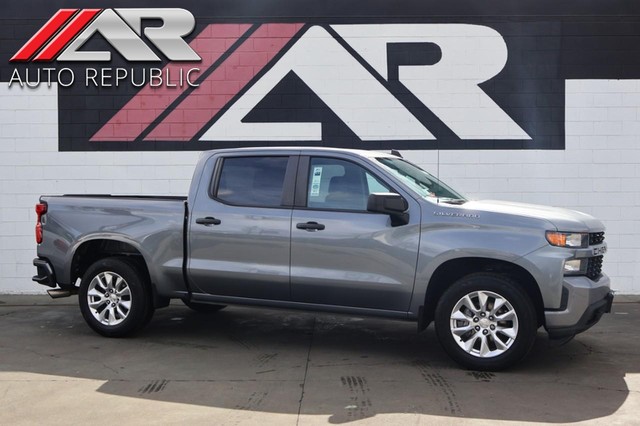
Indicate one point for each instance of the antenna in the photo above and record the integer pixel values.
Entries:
(438, 167)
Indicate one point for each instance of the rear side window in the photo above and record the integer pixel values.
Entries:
(252, 181)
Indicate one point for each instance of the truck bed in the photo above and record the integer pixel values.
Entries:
(132, 197)
(152, 226)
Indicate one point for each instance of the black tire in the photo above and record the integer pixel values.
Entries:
(525, 327)
(139, 300)
(203, 308)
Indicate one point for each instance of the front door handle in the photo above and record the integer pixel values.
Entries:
(208, 221)
(310, 226)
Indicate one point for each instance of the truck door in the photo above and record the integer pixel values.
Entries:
(240, 227)
(341, 254)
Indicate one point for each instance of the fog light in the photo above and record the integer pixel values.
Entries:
(575, 267)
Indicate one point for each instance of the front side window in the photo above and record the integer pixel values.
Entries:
(252, 181)
(340, 185)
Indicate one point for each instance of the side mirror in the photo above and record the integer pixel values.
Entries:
(389, 203)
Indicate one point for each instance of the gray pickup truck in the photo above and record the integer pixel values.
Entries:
(354, 232)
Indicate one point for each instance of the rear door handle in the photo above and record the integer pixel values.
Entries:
(208, 221)
(310, 226)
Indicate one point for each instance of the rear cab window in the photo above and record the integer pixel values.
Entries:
(252, 181)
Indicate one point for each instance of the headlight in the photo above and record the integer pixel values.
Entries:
(568, 239)
(575, 267)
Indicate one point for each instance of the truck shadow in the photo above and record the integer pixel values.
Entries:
(343, 367)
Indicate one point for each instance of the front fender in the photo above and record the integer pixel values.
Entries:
(445, 242)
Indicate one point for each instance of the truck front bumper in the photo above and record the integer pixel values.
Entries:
(583, 303)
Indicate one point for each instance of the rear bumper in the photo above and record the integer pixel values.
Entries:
(584, 303)
(45, 274)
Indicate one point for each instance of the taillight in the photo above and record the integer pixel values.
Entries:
(41, 209)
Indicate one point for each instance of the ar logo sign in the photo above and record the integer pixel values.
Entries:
(69, 29)
(471, 54)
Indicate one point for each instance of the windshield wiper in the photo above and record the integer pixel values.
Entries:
(453, 200)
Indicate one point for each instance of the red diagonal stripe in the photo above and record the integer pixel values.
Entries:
(195, 111)
(66, 35)
(145, 107)
(43, 35)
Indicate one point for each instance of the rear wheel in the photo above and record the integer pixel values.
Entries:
(203, 308)
(114, 298)
(486, 322)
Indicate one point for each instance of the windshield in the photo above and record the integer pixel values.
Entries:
(420, 181)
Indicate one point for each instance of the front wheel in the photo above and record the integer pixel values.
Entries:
(486, 322)
(113, 297)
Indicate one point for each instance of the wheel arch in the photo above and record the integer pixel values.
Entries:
(90, 251)
(452, 270)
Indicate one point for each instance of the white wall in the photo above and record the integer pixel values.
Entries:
(30, 165)
(598, 173)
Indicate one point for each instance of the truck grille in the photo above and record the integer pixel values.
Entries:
(594, 267)
(596, 238)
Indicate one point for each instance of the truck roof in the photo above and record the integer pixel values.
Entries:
(302, 150)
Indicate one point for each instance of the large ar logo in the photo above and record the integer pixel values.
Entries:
(449, 87)
(348, 67)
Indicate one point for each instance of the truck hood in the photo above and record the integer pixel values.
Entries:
(562, 219)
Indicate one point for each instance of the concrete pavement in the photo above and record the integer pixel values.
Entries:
(255, 366)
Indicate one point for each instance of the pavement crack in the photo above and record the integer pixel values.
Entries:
(589, 348)
(306, 370)
(66, 356)
(349, 364)
(587, 385)
(110, 368)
